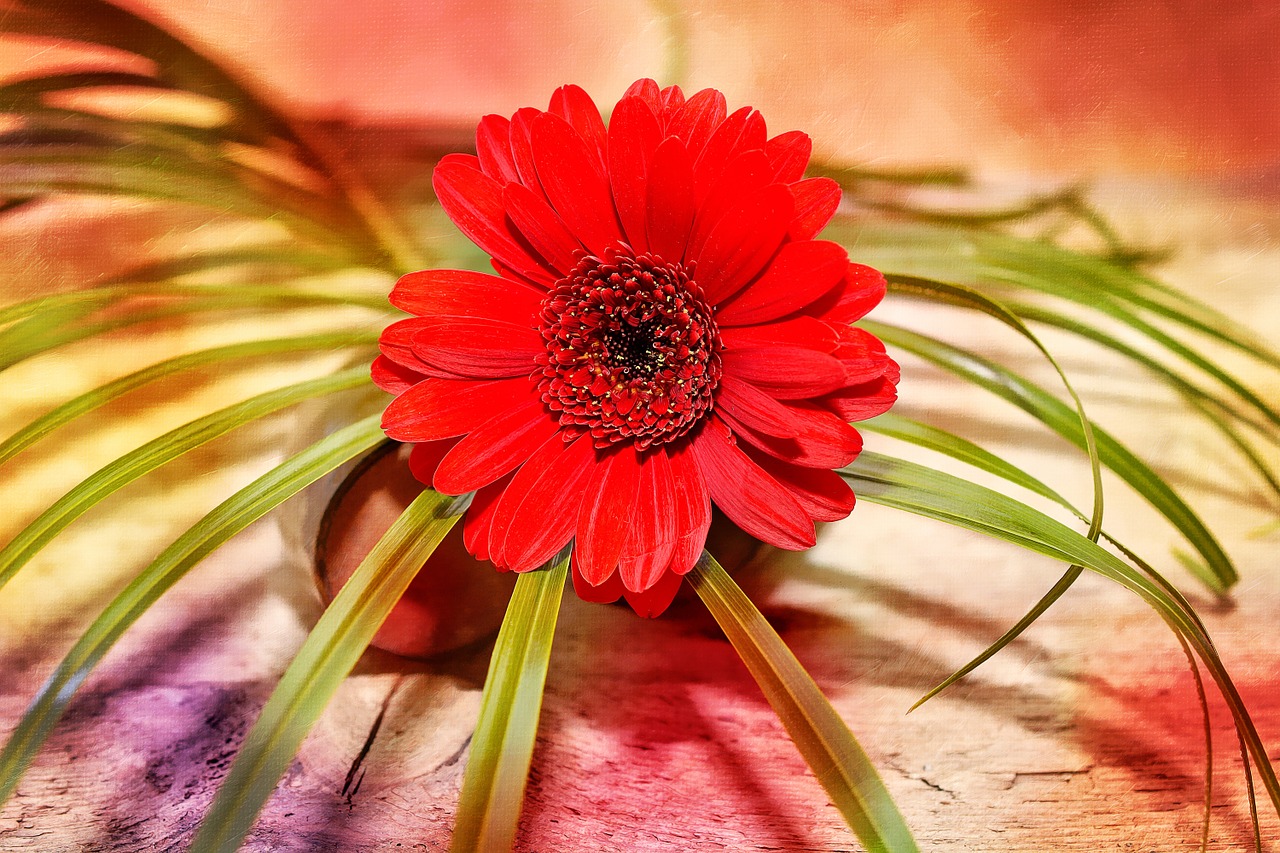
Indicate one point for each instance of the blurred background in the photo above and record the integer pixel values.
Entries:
(1074, 86)
(1168, 112)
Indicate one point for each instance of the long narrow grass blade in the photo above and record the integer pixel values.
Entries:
(1189, 355)
(819, 733)
(328, 655)
(966, 298)
(1059, 417)
(157, 452)
(923, 435)
(1203, 700)
(287, 257)
(206, 536)
(41, 333)
(977, 257)
(1217, 411)
(98, 22)
(81, 303)
(940, 441)
(87, 402)
(28, 167)
(25, 92)
(1159, 368)
(502, 747)
(933, 494)
(1069, 577)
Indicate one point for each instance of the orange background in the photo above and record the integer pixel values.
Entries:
(1182, 86)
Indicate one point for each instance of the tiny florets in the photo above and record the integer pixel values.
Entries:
(632, 350)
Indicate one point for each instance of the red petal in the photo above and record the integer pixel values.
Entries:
(522, 148)
(697, 119)
(646, 90)
(746, 175)
(823, 494)
(670, 209)
(540, 225)
(801, 272)
(693, 509)
(609, 591)
(741, 245)
(720, 149)
(478, 347)
(536, 514)
(538, 279)
(802, 332)
(479, 519)
(461, 161)
(473, 201)
(462, 293)
(861, 290)
(654, 601)
(789, 155)
(748, 405)
(391, 377)
(816, 202)
(859, 402)
(671, 100)
(575, 106)
(425, 457)
(444, 408)
(494, 448)
(574, 183)
(654, 527)
(822, 440)
(861, 354)
(396, 344)
(493, 148)
(746, 137)
(634, 136)
(605, 514)
(787, 373)
(746, 494)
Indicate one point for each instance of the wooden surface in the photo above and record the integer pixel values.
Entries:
(1084, 735)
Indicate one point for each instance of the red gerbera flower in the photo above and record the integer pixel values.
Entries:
(663, 333)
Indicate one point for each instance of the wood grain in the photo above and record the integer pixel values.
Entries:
(1082, 736)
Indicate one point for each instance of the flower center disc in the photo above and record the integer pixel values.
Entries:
(632, 350)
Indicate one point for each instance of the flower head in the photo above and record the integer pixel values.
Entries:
(663, 333)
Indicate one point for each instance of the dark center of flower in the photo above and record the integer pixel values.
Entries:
(632, 350)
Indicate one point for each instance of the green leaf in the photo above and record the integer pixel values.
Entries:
(966, 298)
(59, 325)
(1218, 412)
(1059, 417)
(914, 488)
(923, 435)
(206, 536)
(28, 167)
(941, 441)
(27, 92)
(87, 402)
(177, 64)
(157, 452)
(502, 747)
(52, 311)
(288, 257)
(822, 737)
(328, 655)
(976, 257)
